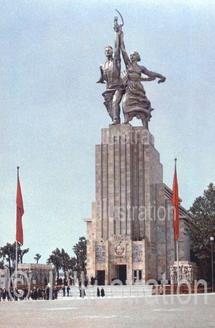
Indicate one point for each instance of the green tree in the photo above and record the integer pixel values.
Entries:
(66, 261)
(8, 255)
(62, 261)
(55, 259)
(73, 264)
(37, 257)
(21, 253)
(80, 250)
(202, 227)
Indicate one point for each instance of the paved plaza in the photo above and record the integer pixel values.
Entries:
(150, 311)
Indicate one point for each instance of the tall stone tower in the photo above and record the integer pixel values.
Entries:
(129, 235)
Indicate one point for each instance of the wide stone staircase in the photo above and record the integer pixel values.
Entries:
(111, 291)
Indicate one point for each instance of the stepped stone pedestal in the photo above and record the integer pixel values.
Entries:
(129, 235)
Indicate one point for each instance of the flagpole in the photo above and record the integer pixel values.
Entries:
(177, 255)
(16, 267)
(177, 259)
(176, 217)
(19, 214)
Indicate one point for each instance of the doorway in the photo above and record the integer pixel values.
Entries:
(121, 272)
(137, 276)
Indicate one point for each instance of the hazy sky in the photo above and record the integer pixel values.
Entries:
(51, 109)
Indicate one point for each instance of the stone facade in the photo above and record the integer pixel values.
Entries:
(130, 235)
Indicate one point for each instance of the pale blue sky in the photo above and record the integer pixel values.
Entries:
(51, 109)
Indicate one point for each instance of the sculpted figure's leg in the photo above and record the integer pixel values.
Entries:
(116, 106)
(108, 102)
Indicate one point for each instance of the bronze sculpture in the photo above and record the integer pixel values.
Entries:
(134, 102)
(129, 90)
(111, 75)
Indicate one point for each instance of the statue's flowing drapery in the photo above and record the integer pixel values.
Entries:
(135, 102)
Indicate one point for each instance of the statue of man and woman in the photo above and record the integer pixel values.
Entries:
(128, 89)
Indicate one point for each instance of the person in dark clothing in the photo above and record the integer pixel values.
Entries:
(4, 294)
(35, 294)
(67, 290)
(16, 293)
(92, 281)
(82, 292)
(55, 292)
(25, 294)
(47, 292)
(86, 282)
(102, 292)
(9, 295)
(64, 290)
(40, 293)
(98, 292)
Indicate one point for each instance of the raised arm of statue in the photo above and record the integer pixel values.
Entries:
(152, 75)
(123, 50)
(117, 47)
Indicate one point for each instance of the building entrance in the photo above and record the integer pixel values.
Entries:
(121, 272)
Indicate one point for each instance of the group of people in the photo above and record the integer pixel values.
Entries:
(66, 290)
(48, 293)
(71, 281)
(15, 294)
(82, 290)
(10, 294)
(100, 292)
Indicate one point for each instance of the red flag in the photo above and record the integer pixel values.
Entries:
(19, 211)
(175, 203)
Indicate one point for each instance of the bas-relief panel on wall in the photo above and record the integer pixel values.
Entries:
(100, 253)
(137, 253)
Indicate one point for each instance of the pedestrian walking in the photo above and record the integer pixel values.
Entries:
(102, 292)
